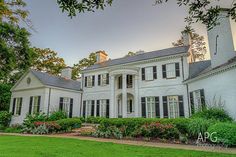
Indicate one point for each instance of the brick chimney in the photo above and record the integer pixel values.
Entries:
(101, 56)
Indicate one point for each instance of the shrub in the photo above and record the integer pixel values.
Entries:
(5, 118)
(110, 132)
(41, 129)
(69, 124)
(213, 113)
(13, 129)
(129, 125)
(57, 115)
(225, 133)
(157, 130)
(51, 126)
(199, 125)
(30, 119)
(94, 120)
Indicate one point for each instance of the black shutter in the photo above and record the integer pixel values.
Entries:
(71, 108)
(85, 81)
(20, 106)
(61, 104)
(38, 107)
(13, 106)
(203, 102)
(93, 80)
(107, 109)
(107, 79)
(192, 102)
(143, 104)
(154, 72)
(30, 105)
(165, 107)
(177, 70)
(157, 105)
(98, 108)
(84, 108)
(164, 71)
(181, 106)
(92, 108)
(143, 73)
(99, 80)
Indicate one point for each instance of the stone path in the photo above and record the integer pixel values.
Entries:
(137, 143)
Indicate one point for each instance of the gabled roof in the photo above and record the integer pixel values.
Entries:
(56, 81)
(198, 67)
(140, 57)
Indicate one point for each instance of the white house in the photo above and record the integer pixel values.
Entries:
(159, 84)
(40, 92)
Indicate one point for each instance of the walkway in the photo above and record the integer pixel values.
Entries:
(137, 143)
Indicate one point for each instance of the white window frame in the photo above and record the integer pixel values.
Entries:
(149, 73)
(129, 81)
(88, 108)
(173, 106)
(103, 79)
(170, 70)
(128, 105)
(150, 107)
(102, 107)
(197, 100)
(89, 81)
(66, 105)
(35, 104)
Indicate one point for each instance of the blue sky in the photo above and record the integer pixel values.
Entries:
(129, 25)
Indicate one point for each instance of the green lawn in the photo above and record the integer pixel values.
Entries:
(17, 146)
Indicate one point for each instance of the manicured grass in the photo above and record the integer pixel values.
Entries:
(17, 146)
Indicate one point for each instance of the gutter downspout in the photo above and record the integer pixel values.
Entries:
(49, 100)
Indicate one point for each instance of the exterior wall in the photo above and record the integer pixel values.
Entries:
(55, 95)
(25, 94)
(159, 87)
(221, 86)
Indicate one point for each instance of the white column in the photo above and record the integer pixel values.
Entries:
(112, 99)
(136, 96)
(124, 96)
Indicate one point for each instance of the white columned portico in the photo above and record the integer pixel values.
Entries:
(136, 96)
(112, 100)
(124, 96)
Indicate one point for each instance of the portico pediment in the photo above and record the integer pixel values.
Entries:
(123, 70)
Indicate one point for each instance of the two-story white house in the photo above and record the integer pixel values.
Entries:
(162, 84)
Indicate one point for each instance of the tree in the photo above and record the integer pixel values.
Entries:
(5, 96)
(198, 45)
(12, 11)
(199, 10)
(15, 52)
(46, 60)
(83, 63)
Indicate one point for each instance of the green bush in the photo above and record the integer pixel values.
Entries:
(225, 133)
(129, 125)
(5, 118)
(69, 123)
(30, 119)
(213, 113)
(110, 132)
(13, 130)
(57, 115)
(199, 125)
(94, 120)
(157, 130)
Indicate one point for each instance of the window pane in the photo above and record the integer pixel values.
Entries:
(149, 73)
(173, 104)
(35, 104)
(170, 70)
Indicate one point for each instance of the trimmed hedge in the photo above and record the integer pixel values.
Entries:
(225, 133)
(69, 123)
(131, 124)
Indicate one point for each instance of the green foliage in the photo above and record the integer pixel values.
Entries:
(5, 118)
(157, 130)
(41, 129)
(110, 132)
(69, 123)
(16, 55)
(131, 124)
(57, 115)
(94, 120)
(13, 129)
(30, 119)
(48, 61)
(83, 63)
(225, 133)
(5, 96)
(199, 125)
(213, 113)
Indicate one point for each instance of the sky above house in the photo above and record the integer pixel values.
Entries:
(128, 25)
